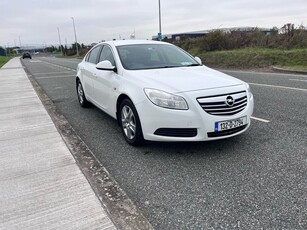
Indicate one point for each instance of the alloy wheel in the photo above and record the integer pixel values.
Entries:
(80, 93)
(128, 122)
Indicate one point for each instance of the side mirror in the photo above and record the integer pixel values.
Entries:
(106, 65)
(198, 60)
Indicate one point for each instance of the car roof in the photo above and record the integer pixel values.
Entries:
(133, 42)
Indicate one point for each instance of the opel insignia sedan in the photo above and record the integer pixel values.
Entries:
(158, 92)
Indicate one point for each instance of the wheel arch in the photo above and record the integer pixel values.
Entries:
(138, 139)
(118, 102)
(77, 79)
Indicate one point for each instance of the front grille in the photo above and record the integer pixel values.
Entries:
(176, 132)
(226, 132)
(216, 105)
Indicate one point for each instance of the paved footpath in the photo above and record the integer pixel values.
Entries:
(41, 187)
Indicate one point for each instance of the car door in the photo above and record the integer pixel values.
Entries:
(88, 71)
(103, 80)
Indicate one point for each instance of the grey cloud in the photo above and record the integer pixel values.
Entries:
(36, 21)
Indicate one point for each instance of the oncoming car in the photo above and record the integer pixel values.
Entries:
(26, 55)
(159, 92)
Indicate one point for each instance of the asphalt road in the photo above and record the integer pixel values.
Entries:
(252, 181)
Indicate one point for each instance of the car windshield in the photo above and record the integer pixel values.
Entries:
(153, 56)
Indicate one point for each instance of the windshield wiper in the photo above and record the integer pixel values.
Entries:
(165, 67)
(193, 65)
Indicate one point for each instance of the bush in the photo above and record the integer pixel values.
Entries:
(285, 38)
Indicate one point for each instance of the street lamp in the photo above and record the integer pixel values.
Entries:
(73, 21)
(19, 44)
(160, 32)
(60, 40)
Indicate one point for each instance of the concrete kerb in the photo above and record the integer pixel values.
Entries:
(121, 209)
(283, 70)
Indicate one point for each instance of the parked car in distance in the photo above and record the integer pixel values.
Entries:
(26, 55)
(159, 92)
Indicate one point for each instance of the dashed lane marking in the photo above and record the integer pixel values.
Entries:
(260, 119)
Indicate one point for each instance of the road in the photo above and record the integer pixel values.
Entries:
(252, 181)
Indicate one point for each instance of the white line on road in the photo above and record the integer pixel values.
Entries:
(70, 76)
(263, 73)
(297, 80)
(49, 73)
(59, 66)
(260, 119)
(278, 86)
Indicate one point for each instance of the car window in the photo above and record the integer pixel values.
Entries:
(153, 56)
(172, 56)
(93, 55)
(106, 54)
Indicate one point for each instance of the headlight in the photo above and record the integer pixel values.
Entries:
(166, 100)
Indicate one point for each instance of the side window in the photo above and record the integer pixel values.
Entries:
(93, 55)
(106, 54)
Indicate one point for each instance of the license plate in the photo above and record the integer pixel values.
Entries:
(230, 124)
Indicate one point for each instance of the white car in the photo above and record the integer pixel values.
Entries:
(159, 92)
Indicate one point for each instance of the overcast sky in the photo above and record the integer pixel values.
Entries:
(36, 21)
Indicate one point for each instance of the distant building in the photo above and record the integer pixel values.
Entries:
(203, 33)
(2, 51)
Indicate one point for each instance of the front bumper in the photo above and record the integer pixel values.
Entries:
(160, 124)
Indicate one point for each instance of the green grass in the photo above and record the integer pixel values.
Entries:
(4, 60)
(255, 58)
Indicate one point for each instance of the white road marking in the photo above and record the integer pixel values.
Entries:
(278, 86)
(263, 73)
(70, 76)
(35, 61)
(297, 80)
(48, 73)
(260, 119)
(59, 66)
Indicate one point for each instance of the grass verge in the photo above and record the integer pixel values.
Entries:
(3, 60)
(249, 58)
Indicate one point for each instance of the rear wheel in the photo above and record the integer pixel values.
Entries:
(81, 95)
(130, 123)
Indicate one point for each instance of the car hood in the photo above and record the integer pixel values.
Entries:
(182, 79)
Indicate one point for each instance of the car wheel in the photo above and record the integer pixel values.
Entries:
(81, 95)
(130, 123)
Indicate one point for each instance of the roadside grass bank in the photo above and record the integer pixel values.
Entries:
(4, 60)
(254, 58)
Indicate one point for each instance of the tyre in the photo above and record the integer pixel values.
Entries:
(81, 95)
(130, 123)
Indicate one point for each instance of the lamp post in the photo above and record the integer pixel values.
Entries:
(73, 21)
(19, 44)
(60, 40)
(160, 31)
